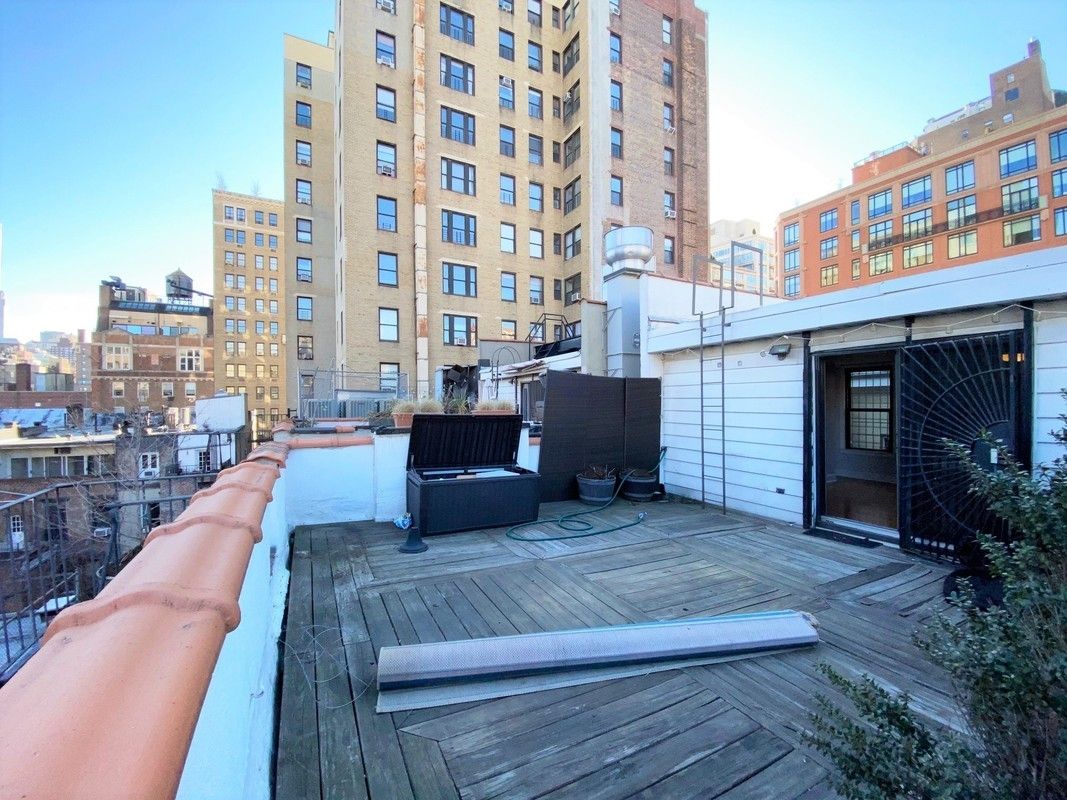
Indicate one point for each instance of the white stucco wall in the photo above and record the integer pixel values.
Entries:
(1050, 376)
(330, 484)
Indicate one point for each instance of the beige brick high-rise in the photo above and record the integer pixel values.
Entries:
(459, 120)
(248, 243)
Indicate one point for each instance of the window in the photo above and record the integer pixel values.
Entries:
(668, 25)
(386, 213)
(535, 104)
(881, 263)
(305, 348)
(880, 233)
(668, 73)
(856, 272)
(572, 148)
(855, 240)
(828, 276)
(240, 237)
(1019, 196)
(272, 217)
(572, 195)
(118, 389)
(507, 141)
(273, 261)
(388, 376)
(668, 161)
(457, 25)
(869, 408)
(507, 189)
(189, 360)
(459, 228)
(854, 212)
(227, 212)
(259, 305)
(507, 237)
(668, 117)
(273, 285)
(303, 196)
(387, 269)
(616, 96)
(459, 279)
(792, 285)
(962, 212)
(571, 54)
(616, 190)
(534, 55)
(388, 325)
(507, 329)
(507, 287)
(615, 48)
(259, 217)
(303, 76)
(1059, 183)
(557, 198)
(457, 75)
(1021, 231)
(385, 49)
(259, 236)
(668, 249)
(791, 234)
(572, 243)
(917, 224)
(572, 289)
(917, 255)
(386, 159)
(457, 126)
(537, 150)
(272, 241)
(507, 93)
(506, 45)
(537, 197)
(828, 220)
(959, 177)
(167, 389)
(963, 244)
(879, 204)
(572, 101)
(190, 389)
(555, 61)
(456, 176)
(916, 192)
(533, 12)
(303, 115)
(240, 215)
(668, 202)
(385, 107)
(791, 262)
(537, 290)
(1061, 221)
(1020, 158)
(828, 247)
(118, 357)
(303, 308)
(460, 331)
(537, 332)
(261, 327)
(537, 243)
(616, 143)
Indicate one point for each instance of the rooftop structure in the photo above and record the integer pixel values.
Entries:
(744, 261)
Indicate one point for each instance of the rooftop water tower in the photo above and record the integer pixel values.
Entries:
(179, 286)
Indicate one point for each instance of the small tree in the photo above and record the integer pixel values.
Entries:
(1007, 664)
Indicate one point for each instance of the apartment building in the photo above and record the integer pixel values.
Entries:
(149, 354)
(984, 181)
(310, 285)
(485, 148)
(744, 261)
(248, 253)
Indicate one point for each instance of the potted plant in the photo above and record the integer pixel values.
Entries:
(639, 485)
(596, 484)
(501, 407)
(402, 411)
(457, 404)
(429, 405)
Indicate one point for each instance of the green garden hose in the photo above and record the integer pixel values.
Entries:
(580, 528)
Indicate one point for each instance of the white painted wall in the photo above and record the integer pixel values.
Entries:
(390, 476)
(330, 484)
(223, 413)
(1050, 376)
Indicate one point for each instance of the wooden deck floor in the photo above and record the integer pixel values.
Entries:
(725, 731)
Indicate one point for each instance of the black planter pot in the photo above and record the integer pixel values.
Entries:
(596, 491)
(639, 487)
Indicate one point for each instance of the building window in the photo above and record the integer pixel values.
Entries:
(385, 49)
(303, 115)
(459, 279)
(459, 228)
(507, 287)
(118, 357)
(189, 360)
(881, 263)
(917, 255)
(879, 204)
(855, 240)
(963, 244)
(668, 25)
(506, 45)
(386, 214)
(616, 143)
(534, 56)
(1021, 231)
(1019, 158)
(557, 248)
(457, 25)
(385, 107)
(572, 243)
(668, 73)
(537, 290)
(828, 247)
(533, 12)
(791, 261)
(572, 148)
(303, 308)
(507, 237)
(457, 126)
(272, 241)
(616, 96)
(668, 161)
(916, 192)
(537, 149)
(668, 249)
(272, 217)
(571, 54)
(118, 389)
(959, 177)
(303, 76)
(1061, 221)
(258, 238)
(572, 195)
(507, 93)
(668, 204)
(303, 230)
(880, 233)
(854, 212)
(791, 234)
(537, 197)
(1057, 145)
(828, 220)
(385, 159)
(616, 190)
(460, 331)
(303, 196)
(856, 269)
(507, 329)
(869, 408)
(537, 332)
(535, 103)
(792, 285)
(1019, 196)
(615, 48)
(828, 276)
(507, 141)
(456, 176)
(962, 212)
(227, 212)
(668, 117)
(388, 325)
(1059, 183)
(259, 217)
(388, 376)
(457, 75)
(572, 289)
(917, 224)
(305, 348)
(537, 243)
(507, 189)
(387, 269)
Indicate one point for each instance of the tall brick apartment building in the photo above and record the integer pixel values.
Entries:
(984, 181)
(484, 149)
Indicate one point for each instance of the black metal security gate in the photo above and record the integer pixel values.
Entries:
(954, 389)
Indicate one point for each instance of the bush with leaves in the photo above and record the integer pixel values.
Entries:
(1007, 665)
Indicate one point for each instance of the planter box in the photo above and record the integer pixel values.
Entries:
(462, 473)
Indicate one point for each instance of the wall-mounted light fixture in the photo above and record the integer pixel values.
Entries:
(780, 349)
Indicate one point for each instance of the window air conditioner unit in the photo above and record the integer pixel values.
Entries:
(566, 97)
(304, 201)
(387, 5)
(670, 129)
(670, 213)
(150, 472)
(386, 61)
(615, 11)
(507, 5)
(507, 82)
(303, 83)
(460, 341)
(304, 162)
(387, 169)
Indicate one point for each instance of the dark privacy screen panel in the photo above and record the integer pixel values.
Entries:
(595, 420)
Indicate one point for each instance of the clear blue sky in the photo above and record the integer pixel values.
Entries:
(116, 116)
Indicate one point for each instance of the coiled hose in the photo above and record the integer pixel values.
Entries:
(579, 528)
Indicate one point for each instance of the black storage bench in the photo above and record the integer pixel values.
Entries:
(462, 473)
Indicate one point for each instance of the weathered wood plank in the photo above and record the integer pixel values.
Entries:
(786, 779)
(427, 770)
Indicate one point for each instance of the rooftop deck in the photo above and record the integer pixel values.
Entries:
(731, 730)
